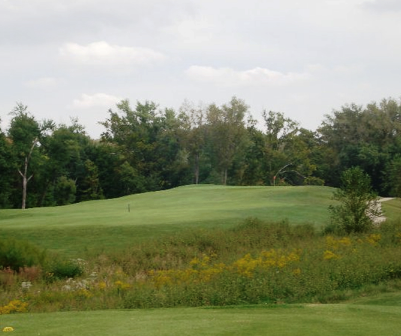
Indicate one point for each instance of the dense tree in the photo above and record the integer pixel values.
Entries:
(6, 171)
(192, 134)
(64, 152)
(172, 160)
(64, 191)
(89, 187)
(146, 148)
(147, 140)
(250, 168)
(392, 177)
(227, 133)
(363, 137)
(288, 150)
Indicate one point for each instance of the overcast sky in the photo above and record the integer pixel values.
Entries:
(77, 58)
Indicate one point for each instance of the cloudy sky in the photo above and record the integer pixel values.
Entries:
(77, 58)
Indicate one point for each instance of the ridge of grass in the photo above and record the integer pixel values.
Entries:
(107, 224)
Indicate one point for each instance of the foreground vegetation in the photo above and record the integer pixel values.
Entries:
(252, 263)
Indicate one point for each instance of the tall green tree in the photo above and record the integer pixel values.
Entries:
(364, 137)
(288, 150)
(250, 167)
(147, 139)
(6, 171)
(227, 131)
(192, 134)
(65, 150)
(90, 188)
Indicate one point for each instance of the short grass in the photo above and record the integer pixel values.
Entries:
(383, 299)
(108, 225)
(352, 319)
(392, 209)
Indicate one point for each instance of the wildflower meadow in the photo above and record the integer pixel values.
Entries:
(254, 262)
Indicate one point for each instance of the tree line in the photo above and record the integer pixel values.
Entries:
(147, 148)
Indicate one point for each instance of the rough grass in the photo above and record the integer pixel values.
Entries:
(108, 225)
(284, 320)
(252, 263)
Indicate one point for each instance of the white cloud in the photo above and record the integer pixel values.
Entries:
(383, 5)
(42, 83)
(96, 100)
(256, 76)
(104, 54)
(345, 70)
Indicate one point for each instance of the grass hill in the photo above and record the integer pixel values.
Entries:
(116, 223)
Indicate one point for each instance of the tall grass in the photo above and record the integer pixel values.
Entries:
(254, 262)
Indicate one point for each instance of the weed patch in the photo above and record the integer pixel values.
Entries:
(253, 263)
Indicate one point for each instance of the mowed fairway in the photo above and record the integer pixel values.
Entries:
(117, 223)
(301, 320)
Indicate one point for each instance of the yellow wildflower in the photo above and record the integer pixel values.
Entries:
(296, 271)
(14, 306)
(5, 329)
(328, 255)
(331, 242)
(102, 285)
(345, 241)
(83, 293)
(373, 238)
(122, 285)
(194, 261)
(205, 261)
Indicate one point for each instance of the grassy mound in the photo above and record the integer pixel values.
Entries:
(108, 225)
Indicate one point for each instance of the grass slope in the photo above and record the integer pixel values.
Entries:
(108, 224)
(309, 320)
(392, 209)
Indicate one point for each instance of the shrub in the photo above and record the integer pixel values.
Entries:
(358, 204)
(14, 306)
(311, 180)
(63, 269)
(19, 254)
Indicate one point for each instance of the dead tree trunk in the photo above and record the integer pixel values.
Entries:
(197, 168)
(24, 175)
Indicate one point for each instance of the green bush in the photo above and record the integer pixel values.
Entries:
(18, 254)
(311, 180)
(358, 204)
(64, 269)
